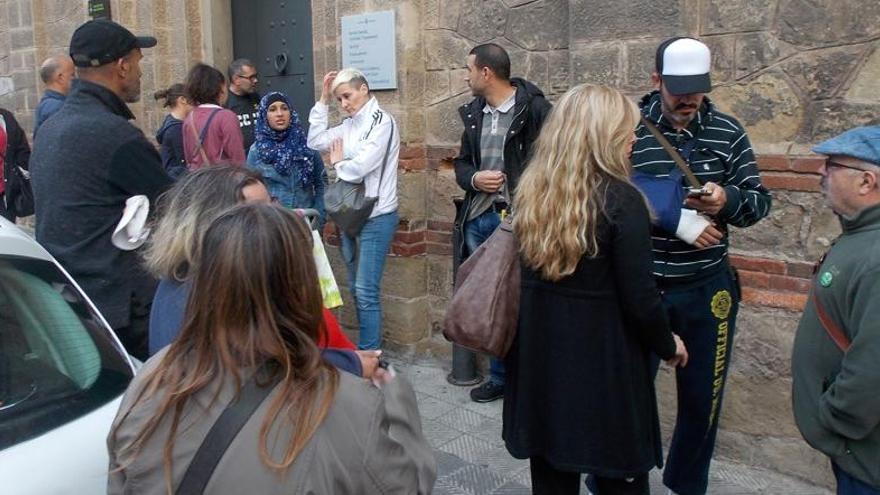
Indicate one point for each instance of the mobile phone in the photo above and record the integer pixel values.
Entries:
(696, 192)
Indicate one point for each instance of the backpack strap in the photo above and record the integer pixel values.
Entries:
(224, 431)
(200, 138)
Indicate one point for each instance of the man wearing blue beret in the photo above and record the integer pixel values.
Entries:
(836, 359)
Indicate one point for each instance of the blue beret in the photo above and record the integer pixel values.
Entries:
(862, 143)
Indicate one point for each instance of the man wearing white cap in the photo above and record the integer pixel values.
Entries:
(698, 286)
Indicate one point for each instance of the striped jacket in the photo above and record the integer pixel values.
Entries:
(722, 155)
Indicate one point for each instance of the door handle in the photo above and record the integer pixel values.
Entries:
(281, 63)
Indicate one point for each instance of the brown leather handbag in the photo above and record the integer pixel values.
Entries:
(485, 306)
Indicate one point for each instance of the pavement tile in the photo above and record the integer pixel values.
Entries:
(447, 463)
(512, 488)
(476, 479)
(443, 487)
(472, 460)
(438, 433)
(432, 408)
(500, 461)
(523, 476)
(476, 424)
(468, 447)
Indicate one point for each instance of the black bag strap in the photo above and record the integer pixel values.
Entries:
(673, 153)
(385, 160)
(223, 432)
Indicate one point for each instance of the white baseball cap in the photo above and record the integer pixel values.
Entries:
(684, 65)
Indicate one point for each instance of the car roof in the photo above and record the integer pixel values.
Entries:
(15, 242)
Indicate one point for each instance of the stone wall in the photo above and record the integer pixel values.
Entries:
(33, 30)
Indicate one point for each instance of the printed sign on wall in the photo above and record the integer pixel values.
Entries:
(368, 44)
(99, 9)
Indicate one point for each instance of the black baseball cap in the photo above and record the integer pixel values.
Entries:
(102, 41)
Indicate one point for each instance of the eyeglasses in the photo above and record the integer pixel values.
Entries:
(251, 78)
(829, 164)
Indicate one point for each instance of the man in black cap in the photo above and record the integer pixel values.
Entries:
(87, 161)
(692, 270)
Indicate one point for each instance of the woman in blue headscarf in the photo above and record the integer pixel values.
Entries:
(293, 172)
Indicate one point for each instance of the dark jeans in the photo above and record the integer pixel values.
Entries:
(703, 314)
(476, 232)
(639, 485)
(135, 336)
(547, 480)
(849, 485)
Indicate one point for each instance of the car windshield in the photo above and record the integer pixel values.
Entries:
(57, 359)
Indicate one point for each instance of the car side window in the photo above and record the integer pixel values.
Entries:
(58, 361)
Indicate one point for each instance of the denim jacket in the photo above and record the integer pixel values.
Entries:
(286, 189)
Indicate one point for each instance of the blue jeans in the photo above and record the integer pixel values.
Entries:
(849, 485)
(365, 261)
(476, 232)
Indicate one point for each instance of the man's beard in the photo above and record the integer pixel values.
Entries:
(133, 93)
(677, 117)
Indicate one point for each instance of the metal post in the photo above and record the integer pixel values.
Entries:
(464, 361)
(464, 367)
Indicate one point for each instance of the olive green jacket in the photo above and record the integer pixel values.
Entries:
(836, 396)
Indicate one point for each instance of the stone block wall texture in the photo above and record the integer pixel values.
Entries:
(792, 71)
(33, 30)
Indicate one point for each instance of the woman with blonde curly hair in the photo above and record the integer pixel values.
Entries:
(579, 397)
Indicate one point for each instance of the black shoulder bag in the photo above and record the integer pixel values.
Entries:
(20, 194)
(225, 429)
(347, 202)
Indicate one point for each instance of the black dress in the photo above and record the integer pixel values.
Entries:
(579, 390)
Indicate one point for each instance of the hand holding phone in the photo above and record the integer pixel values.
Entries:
(696, 192)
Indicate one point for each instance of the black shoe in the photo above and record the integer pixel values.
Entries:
(487, 392)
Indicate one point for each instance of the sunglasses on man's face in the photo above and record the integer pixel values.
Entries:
(251, 78)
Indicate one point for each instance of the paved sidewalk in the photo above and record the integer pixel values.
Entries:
(472, 459)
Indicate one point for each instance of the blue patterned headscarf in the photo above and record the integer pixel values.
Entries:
(284, 150)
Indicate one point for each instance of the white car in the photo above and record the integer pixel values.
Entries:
(62, 376)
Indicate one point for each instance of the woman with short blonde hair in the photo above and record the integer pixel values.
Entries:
(579, 396)
(364, 148)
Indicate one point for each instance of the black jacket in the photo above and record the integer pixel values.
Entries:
(579, 387)
(17, 153)
(246, 107)
(529, 112)
(88, 159)
(170, 139)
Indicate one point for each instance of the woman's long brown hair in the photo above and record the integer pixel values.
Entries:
(255, 298)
